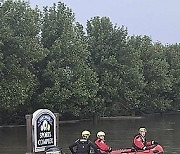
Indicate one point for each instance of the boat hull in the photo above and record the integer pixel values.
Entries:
(157, 149)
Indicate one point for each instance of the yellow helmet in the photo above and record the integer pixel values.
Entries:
(142, 129)
(101, 133)
(86, 132)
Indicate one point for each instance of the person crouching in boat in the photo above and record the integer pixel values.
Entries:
(140, 143)
(83, 145)
(101, 144)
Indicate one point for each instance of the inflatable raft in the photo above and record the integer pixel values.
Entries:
(155, 149)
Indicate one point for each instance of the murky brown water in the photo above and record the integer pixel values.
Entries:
(164, 129)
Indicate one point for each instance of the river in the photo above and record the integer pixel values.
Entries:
(119, 133)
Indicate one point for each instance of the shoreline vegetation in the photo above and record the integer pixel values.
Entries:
(80, 120)
(76, 121)
(50, 60)
(101, 118)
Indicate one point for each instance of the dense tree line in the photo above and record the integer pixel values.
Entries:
(49, 60)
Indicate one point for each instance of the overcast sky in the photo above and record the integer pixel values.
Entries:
(159, 19)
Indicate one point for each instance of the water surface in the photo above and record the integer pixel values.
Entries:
(119, 133)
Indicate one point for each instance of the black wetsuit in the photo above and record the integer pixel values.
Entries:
(83, 146)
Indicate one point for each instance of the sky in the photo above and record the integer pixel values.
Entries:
(158, 19)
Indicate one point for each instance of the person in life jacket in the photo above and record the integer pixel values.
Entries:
(140, 142)
(101, 144)
(83, 145)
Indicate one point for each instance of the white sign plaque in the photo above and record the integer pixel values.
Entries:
(44, 129)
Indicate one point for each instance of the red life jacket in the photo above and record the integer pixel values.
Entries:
(102, 146)
(139, 142)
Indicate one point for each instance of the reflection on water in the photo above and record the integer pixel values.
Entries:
(119, 133)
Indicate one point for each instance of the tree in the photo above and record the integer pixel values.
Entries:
(117, 65)
(172, 53)
(156, 74)
(70, 86)
(19, 50)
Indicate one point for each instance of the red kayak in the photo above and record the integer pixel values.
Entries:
(155, 149)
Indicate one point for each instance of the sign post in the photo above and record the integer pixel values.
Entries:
(29, 134)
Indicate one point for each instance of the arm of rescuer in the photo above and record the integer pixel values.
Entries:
(151, 143)
(138, 142)
(102, 146)
(71, 147)
(94, 147)
(148, 143)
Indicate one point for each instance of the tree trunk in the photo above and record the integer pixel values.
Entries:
(95, 118)
(133, 113)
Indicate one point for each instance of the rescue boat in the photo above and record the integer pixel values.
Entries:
(155, 149)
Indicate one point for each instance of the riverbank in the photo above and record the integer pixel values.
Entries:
(104, 118)
(121, 117)
(76, 121)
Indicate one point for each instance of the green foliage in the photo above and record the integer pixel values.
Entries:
(172, 53)
(55, 21)
(48, 60)
(19, 50)
(73, 85)
(118, 66)
(156, 74)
